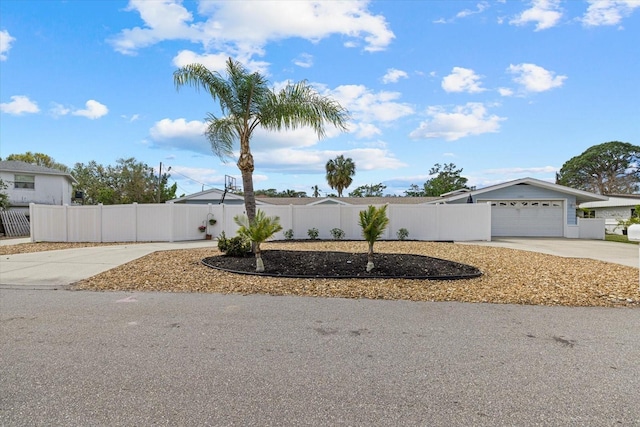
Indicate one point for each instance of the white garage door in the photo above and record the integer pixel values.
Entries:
(534, 218)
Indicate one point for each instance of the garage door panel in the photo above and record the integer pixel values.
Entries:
(527, 218)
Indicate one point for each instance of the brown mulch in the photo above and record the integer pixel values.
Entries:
(508, 276)
(345, 265)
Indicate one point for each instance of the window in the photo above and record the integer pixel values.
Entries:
(633, 212)
(586, 213)
(24, 181)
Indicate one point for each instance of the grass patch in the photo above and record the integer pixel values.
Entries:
(618, 238)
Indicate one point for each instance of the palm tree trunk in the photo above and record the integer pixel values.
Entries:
(245, 164)
(370, 265)
(259, 263)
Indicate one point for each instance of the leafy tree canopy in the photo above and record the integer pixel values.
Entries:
(608, 168)
(340, 172)
(373, 190)
(127, 182)
(447, 178)
(247, 102)
(4, 197)
(39, 159)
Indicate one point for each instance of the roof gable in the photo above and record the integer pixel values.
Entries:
(581, 196)
(17, 166)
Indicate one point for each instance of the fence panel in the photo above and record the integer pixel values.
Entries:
(177, 222)
(84, 224)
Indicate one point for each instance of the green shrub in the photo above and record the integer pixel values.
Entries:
(237, 246)
(402, 234)
(288, 235)
(337, 234)
(313, 233)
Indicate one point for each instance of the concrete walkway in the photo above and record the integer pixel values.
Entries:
(57, 269)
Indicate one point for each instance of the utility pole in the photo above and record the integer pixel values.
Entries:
(160, 183)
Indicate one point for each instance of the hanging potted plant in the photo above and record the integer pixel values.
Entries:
(202, 228)
(212, 221)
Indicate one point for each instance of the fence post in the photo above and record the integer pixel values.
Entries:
(32, 223)
(66, 222)
(100, 222)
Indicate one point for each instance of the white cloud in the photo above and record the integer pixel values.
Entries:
(244, 28)
(480, 7)
(464, 120)
(217, 61)
(608, 12)
(534, 78)
(94, 110)
(5, 44)
(545, 13)
(505, 91)
(58, 110)
(304, 60)
(368, 106)
(181, 135)
(393, 75)
(200, 176)
(313, 161)
(19, 105)
(366, 130)
(462, 80)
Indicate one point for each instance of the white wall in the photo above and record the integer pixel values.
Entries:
(48, 189)
(178, 222)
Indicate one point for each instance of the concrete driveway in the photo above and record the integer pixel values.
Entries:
(619, 253)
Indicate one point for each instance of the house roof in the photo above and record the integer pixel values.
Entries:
(614, 202)
(210, 194)
(24, 167)
(345, 200)
(581, 196)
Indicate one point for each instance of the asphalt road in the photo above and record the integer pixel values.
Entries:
(71, 358)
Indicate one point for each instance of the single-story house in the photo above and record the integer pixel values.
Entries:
(524, 207)
(618, 207)
(528, 207)
(27, 183)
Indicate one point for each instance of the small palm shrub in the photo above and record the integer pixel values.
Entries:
(337, 234)
(402, 234)
(288, 235)
(313, 233)
(373, 222)
(257, 231)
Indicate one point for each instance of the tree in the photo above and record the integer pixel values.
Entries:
(373, 221)
(447, 179)
(39, 159)
(608, 168)
(4, 197)
(316, 191)
(246, 103)
(414, 191)
(258, 230)
(128, 181)
(373, 190)
(340, 172)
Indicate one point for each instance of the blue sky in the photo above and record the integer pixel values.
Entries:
(503, 89)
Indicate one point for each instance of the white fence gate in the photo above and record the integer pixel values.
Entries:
(179, 222)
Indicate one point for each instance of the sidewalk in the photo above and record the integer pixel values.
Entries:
(57, 269)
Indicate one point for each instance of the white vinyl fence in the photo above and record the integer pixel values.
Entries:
(179, 222)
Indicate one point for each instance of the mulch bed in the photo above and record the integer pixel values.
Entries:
(333, 264)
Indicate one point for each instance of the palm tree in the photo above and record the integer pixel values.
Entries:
(258, 230)
(247, 102)
(373, 222)
(340, 173)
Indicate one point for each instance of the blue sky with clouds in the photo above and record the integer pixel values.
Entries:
(503, 89)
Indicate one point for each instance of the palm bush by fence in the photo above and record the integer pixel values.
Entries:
(179, 222)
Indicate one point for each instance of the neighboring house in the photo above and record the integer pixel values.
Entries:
(27, 183)
(618, 207)
(528, 207)
(215, 196)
